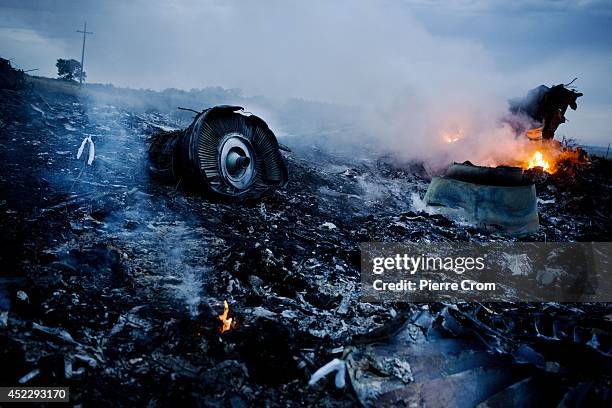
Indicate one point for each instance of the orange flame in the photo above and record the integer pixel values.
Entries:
(538, 161)
(225, 321)
(452, 137)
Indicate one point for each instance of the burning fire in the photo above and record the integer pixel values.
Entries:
(452, 137)
(538, 161)
(225, 321)
(527, 152)
(550, 157)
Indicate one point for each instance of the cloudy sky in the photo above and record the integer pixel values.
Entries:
(472, 53)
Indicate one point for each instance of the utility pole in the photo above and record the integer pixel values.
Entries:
(85, 32)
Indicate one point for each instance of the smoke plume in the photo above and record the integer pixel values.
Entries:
(408, 89)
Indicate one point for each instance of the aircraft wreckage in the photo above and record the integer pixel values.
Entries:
(503, 198)
(224, 153)
(231, 155)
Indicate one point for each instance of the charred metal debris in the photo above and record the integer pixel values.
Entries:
(494, 355)
(499, 198)
(113, 284)
(546, 107)
(503, 198)
(224, 153)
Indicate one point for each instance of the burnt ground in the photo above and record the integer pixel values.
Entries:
(111, 282)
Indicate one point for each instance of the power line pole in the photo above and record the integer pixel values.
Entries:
(85, 32)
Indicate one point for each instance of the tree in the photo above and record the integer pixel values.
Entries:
(69, 70)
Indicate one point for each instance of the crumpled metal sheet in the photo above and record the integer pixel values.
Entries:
(473, 355)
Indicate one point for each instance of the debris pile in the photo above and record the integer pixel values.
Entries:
(487, 355)
(113, 284)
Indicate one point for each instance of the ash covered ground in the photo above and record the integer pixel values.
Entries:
(112, 282)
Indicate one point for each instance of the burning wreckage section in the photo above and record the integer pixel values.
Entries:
(503, 198)
(131, 291)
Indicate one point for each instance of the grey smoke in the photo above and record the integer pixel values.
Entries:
(408, 78)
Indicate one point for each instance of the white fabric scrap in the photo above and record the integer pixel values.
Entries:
(337, 365)
(92, 150)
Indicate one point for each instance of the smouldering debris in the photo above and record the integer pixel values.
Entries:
(124, 274)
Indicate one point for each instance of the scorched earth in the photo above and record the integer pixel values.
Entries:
(113, 284)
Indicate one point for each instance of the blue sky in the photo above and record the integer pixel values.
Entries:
(357, 52)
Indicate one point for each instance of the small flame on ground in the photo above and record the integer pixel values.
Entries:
(225, 321)
(538, 161)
